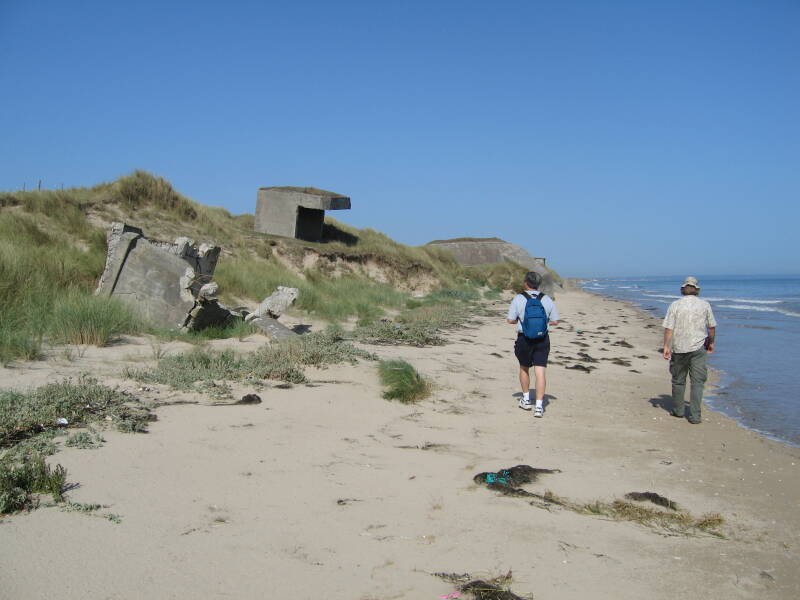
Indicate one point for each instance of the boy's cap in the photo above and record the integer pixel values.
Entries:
(692, 281)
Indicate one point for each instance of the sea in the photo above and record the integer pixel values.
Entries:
(757, 343)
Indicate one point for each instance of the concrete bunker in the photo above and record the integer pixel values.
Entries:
(296, 212)
(488, 251)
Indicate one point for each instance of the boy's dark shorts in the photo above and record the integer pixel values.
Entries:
(532, 353)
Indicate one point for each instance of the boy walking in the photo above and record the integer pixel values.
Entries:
(532, 347)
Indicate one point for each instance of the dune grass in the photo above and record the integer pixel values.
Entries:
(282, 361)
(30, 420)
(45, 290)
(20, 483)
(402, 382)
(80, 401)
(424, 319)
(329, 298)
(80, 318)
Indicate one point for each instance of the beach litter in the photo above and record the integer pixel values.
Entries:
(507, 481)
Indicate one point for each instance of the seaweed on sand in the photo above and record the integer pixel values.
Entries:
(507, 481)
(654, 498)
(483, 589)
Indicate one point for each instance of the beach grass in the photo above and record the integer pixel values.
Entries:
(78, 401)
(84, 319)
(402, 382)
(30, 421)
(21, 482)
(45, 290)
(423, 320)
(282, 361)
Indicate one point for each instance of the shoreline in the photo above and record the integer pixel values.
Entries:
(713, 386)
(327, 490)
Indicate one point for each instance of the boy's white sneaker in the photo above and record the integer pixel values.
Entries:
(525, 404)
(538, 412)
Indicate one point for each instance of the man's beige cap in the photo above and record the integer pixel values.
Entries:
(692, 281)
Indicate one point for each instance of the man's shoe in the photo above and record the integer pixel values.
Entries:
(525, 404)
(538, 412)
(695, 421)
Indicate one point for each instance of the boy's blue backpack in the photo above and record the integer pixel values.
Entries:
(534, 319)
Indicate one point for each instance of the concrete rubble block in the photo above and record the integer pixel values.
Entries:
(209, 291)
(295, 212)
(160, 280)
(272, 328)
(170, 284)
(275, 304)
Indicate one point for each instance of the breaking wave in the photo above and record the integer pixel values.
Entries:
(788, 313)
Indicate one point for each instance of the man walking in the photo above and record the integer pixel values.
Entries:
(538, 310)
(689, 330)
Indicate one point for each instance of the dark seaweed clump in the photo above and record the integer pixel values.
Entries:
(654, 498)
(507, 481)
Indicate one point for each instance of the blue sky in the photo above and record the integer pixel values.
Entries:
(614, 138)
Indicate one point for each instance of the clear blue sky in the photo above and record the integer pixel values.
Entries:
(615, 138)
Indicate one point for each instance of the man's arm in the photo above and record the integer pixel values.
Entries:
(513, 311)
(667, 352)
(712, 331)
(553, 314)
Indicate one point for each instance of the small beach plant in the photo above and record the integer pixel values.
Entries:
(402, 381)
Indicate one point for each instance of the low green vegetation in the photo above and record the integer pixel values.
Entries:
(78, 402)
(235, 329)
(402, 382)
(30, 421)
(283, 361)
(21, 482)
(45, 290)
(84, 440)
(423, 320)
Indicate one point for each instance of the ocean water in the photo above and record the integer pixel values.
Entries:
(758, 343)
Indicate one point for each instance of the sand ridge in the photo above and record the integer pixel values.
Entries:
(327, 490)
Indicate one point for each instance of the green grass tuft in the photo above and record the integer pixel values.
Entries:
(402, 381)
(84, 440)
(20, 482)
(80, 318)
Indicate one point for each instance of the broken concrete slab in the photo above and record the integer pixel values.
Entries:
(272, 328)
(170, 284)
(295, 212)
(275, 304)
(162, 281)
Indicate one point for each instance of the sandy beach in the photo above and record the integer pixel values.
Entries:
(326, 490)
